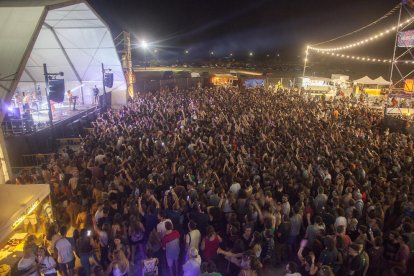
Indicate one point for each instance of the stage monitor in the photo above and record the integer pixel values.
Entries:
(57, 90)
(406, 39)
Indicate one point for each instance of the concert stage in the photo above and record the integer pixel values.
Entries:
(42, 139)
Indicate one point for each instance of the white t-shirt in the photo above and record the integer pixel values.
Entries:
(194, 237)
(48, 265)
(235, 188)
(27, 264)
(98, 214)
(161, 228)
(65, 251)
(192, 267)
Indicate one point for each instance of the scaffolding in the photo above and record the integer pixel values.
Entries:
(403, 54)
(125, 39)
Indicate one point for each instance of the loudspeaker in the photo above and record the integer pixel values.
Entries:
(57, 90)
(109, 80)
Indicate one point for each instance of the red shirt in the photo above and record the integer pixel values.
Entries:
(170, 237)
(210, 249)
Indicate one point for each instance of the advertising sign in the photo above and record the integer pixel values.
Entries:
(406, 39)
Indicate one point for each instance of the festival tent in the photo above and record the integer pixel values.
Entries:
(16, 201)
(68, 36)
(222, 79)
(364, 80)
(381, 81)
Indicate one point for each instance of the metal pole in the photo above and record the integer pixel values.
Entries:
(305, 62)
(83, 99)
(47, 94)
(103, 84)
(395, 46)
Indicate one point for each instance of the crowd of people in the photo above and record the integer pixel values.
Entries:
(220, 181)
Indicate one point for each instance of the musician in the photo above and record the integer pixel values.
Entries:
(72, 99)
(26, 102)
(69, 94)
(96, 95)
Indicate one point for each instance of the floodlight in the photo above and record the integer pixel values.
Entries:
(144, 44)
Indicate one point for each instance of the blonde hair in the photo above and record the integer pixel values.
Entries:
(121, 260)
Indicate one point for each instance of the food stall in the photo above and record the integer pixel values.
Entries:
(18, 205)
(222, 79)
(317, 85)
(372, 87)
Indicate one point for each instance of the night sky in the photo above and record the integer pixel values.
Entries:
(240, 26)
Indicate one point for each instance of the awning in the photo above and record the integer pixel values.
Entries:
(15, 201)
(365, 80)
(381, 81)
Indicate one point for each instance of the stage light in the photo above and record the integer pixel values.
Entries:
(186, 51)
(251, 54)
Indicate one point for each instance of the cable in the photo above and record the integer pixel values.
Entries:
(363, 28)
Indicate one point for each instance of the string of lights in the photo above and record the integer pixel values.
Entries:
(365, 27)
(365, 40)
(359, 58)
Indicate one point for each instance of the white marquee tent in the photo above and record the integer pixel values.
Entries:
(67, 35)
(381, 81)
(368, 81)
(364, 80)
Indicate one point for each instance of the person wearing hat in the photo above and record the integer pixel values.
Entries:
(192, 266)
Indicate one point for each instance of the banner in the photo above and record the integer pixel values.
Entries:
(254, 83)
(406, 39)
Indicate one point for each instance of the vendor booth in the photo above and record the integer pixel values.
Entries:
(370, 86)
(23, 210)
(317, 84)
(222, 79)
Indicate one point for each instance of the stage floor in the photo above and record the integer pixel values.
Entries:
(62, 112)
(40, 118)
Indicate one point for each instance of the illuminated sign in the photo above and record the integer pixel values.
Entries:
(28, 211)
(406, 39)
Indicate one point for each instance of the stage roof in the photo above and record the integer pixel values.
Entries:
(68, 36)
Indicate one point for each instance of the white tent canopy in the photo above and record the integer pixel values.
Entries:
(364, 80)
(14, 200)
(381, 81)
(67, 35)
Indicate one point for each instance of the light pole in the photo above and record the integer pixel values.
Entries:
(306, 61)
